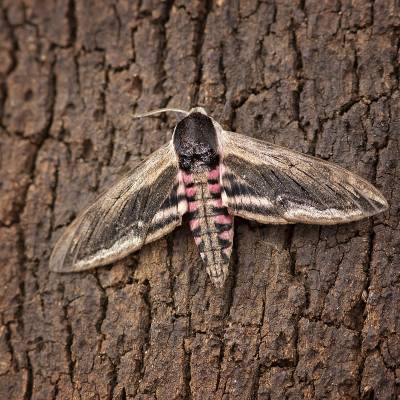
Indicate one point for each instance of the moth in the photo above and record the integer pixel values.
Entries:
(211, 175)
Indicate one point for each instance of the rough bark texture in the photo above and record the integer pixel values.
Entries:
(308, 312)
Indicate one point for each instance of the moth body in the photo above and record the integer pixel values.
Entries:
(212, 175)
(210, 222)
(196, 145)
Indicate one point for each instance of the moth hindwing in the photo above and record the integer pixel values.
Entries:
(213, 175)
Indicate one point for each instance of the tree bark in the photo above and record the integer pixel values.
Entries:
(308, 312)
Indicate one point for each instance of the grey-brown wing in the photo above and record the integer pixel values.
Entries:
(131, 213)
(272, 184)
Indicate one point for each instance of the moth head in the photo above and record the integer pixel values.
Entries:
(195, 141)
(200, 110)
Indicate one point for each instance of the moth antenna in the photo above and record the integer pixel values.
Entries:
(159, 111)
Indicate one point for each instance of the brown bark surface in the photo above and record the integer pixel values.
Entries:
(308, 312)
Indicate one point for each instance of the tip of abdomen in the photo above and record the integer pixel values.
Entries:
(218, 274)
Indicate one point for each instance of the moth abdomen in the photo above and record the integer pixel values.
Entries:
(222, 227)
(210, 222)
(224, 243)
(193, 215)
(216, 210)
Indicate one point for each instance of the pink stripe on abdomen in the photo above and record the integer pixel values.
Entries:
(214, 174)
(223, 219)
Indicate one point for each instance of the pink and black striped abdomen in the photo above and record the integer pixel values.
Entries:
(210, 223)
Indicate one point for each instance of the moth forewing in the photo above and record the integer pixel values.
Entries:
(170, 213)
(119, 220)
(272, 184)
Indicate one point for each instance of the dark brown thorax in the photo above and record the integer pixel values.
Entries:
(195, 142)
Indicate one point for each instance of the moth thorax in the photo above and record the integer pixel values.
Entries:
(195, 141)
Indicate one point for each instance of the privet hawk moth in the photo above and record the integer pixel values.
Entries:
(212, 175)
